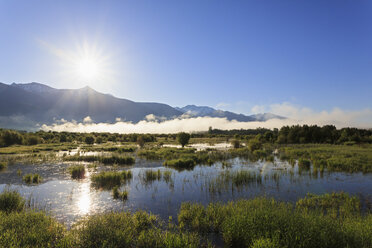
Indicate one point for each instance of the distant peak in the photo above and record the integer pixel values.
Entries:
(33, 87)
(87, 87)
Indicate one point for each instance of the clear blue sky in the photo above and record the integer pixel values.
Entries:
(316, 54)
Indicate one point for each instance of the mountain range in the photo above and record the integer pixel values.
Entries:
(27, 106)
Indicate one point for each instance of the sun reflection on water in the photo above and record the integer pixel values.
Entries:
(84, 198)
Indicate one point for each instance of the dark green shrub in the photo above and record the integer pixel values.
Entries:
(89, 140)
(235, 143)
(9, 137)
(254, 144)
(183, 138)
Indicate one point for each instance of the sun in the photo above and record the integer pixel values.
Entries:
(88, 68)
(86, 63)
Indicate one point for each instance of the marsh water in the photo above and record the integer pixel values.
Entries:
(69, 200)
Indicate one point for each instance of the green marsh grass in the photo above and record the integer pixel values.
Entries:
(110, 179)
(165, 153)
(304, 163)
(117, 194)
(32, 178)
(32, 229)
(258, 222)
(148, 176)
(332, 157)
(181, 163)
(264, 243)
(333, 204)
(230, 180)
(3, 165)
(167, 176)
(77, 171)
(118, 149)
(106, 160)
(11, 201)
(152, 175)
(49, 147)
(242, 223)
(131, 230)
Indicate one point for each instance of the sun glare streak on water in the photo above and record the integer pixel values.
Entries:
(84, 201)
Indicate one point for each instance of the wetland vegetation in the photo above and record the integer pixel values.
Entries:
(77, 171)
(250, 192)
(32, 178)
(110, 179)
(331, 220)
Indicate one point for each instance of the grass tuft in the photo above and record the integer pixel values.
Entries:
(77, 171)
(11, 201)
(110, 179)
(32, 178)
(3, 165)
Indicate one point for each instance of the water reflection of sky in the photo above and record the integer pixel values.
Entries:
(68, 200)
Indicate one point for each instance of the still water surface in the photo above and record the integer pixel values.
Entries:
(69, 200)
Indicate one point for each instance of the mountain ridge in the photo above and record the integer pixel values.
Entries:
(29, 105)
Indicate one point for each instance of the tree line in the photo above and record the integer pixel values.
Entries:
(286, 135)
(297, 134)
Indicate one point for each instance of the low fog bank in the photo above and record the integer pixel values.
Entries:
(301, 116)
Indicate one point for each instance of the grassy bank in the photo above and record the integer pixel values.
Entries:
(346, 158)
(330, 220)
(106, 160)
(316, 221)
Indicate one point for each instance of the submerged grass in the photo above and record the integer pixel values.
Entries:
(148, 176)
(227, 179)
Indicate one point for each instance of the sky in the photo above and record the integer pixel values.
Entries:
(242, 56)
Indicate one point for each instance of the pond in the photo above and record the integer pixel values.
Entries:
(69, 200)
